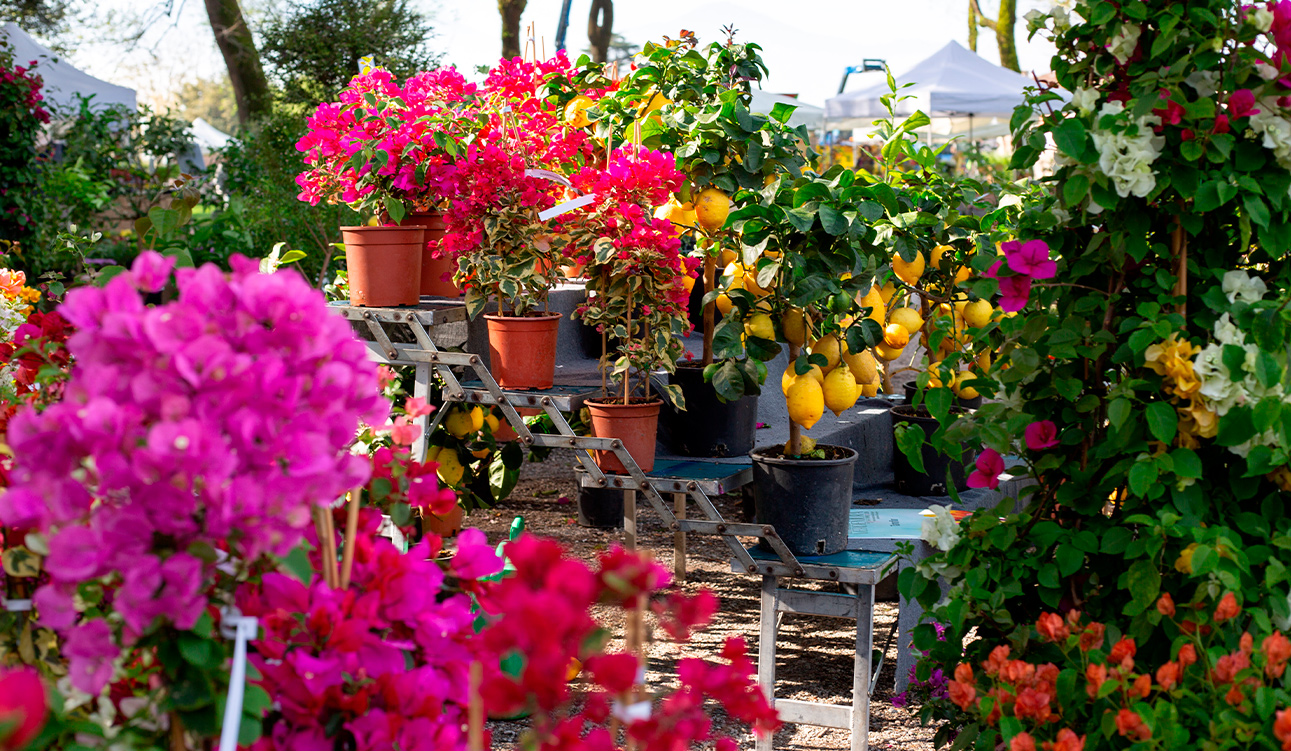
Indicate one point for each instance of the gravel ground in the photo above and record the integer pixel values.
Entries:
(815, 654)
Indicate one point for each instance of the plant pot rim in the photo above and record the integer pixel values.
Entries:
(534, 316)
(955, 409)
(758, 456)
(400, 227)
(609, 402)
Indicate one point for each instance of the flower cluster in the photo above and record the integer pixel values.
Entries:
(30, 82)
(1025, 262)
(937, 686)
(32, 348)
(216, 421)
(382, 664)
(1127, 151)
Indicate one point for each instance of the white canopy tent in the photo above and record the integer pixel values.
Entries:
(62, 80)
(805, 114)
(963, 94)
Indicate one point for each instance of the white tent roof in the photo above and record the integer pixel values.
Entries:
(805, 114)
(208, 136)
(62, 80)
(953, 82)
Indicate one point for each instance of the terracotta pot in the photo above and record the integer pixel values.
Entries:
(433, 270)
(447, 525)
(573, 272)
(522, 350)
(634, 424)
(384, 265)
(505, 432)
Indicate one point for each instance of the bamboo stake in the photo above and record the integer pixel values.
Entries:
(1179, 250)
(327, 544)
(475, 709)
(627, 372)
(351, 536)
(710, 315)
(795, 430)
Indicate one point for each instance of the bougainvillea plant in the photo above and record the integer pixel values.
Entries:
(1142, 387)
(21, 116)
(192, 442)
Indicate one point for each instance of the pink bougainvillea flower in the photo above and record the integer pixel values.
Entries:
(475, 558)
(1242, 104)
(1015, 292)
(403, 431)
(23, 707)
(989, 467)
(1030, 258)
(416, 406)
(1041, 435)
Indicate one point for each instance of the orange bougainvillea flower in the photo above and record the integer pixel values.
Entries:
(1282, 728)
(1092, 637)
(1017, 672)
(963, 694)
(1034, 704)
(1131, 725)
(1187, 655)
(1096, 675)
(1067, 741)
(11, 282)
(964, 672)
(1052, 628)
(1165, 605)
(1235, 696)
(1142, 687)
(1168, 675)
(1227, 608)
(1277, 650)
(1022, 742)
(1122, 654)
(997, 659)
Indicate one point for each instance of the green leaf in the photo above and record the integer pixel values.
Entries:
(1267, 369)
(1236, 427)
(1163, 421)
(1069, 559)
(1118, 412)
(1142, 476)
(1186, 463)
(1257, 209)
(782, 111)
(1076, 189)
(1070, 136)
(832, 220)
(196, 650)
(1143, 582)
(297, 564)
(728, 381)
(910, 440)
(394, 207)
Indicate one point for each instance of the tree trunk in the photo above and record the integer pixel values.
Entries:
(1004, 23)
(511, 11)
(972, 26)
(250, 88)
(600, 34)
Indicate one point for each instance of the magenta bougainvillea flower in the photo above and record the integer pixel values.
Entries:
(989, 467)
(216, 421)
(1041, 435)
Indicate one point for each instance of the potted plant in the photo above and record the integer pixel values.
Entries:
(505, 250)
(369, 151)
(694, 102)
(636, 292)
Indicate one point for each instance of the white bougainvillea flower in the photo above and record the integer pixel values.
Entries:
(1125, 42)
(1238, 285)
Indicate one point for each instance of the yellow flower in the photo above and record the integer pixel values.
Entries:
(1184, 563)
(1282, 477)
(1207, 421)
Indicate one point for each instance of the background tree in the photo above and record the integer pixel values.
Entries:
(511, 11)
(45, 18)
(313, 50)
(233, 36)
(600, 25)
(1002, 25)
(210, 99)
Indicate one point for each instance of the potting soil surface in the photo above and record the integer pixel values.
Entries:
(815, 654)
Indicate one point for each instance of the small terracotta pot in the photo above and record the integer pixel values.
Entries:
(384, 265)
(505, 432)
(573, 272)
(634, 424)
(433, 270)
(522, 350)
(447, 525)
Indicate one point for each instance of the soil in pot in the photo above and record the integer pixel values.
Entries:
(436, 273)
(708, 426)
(808, 501)
(384, 265)
(932, 481)
(636, 424)
(522, 350)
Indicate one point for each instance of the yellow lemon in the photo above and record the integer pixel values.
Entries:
(870, 389)
(896, 336)
(575, 667)
(576, 112)
(374, 222)
(688, 282)
(829, 346)
(840, 390)
(907, 318)
(726, 258)
(978, 314)
(984, 361)
(884, 352)
(862, 366)
(493, 422)
(795, 327)
(806, 401)
(911, 272)
(786, 379)
(734, 270)
(461, 423)
(962, 390)
(481, 453)
(724, 304)
(887, 292)
(431, 453)
(1183, 564)
(770, 254)
(751, 283)
(681, 215)
(962, 274)
(477, 419)
(874, 301)
(712, 209)
(760, 326)
(937, 254)
(450, 469)
(805, 442)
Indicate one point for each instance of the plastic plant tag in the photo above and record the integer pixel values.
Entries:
(569, 205)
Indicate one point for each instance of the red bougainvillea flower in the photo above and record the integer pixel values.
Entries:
(990, 464)
(1122, 654)
(1242, 104)
(1052, 627)
(1187, 655)
(1227, 608)
(1168, 675)
(23, 707)
(1041, 435)
(1022, 742)
(1095, 675)
(1092, 637)
(1282, 728)
(1067, 740)
(1277, 650)
(1165, 605)
(1015, 292)
(1130, 725)
(998, 658)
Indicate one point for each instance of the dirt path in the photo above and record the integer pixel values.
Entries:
(815, 654)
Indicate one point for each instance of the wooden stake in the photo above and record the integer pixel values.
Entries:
(1179, 250)
(327, 544)
(475, 709)
(710, 316)
(351, 536)
(795, 430)
(627, 372)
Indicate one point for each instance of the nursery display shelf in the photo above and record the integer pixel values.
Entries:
(431, 312)
(851, 566)
(714, 477)
(564, 398)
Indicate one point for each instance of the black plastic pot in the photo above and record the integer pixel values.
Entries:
(601, 508)
(806, 500)
(708, 427)
(590, 342)
(932, 481)
(912, 388)
(696, 303)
